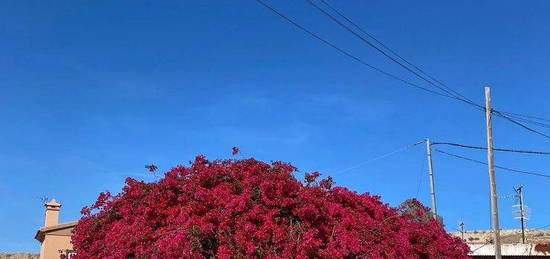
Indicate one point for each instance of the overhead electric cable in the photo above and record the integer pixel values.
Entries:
(528, 121)
(379, 157)
(348, 54)
(499, 167)
(342, 15)
(497, 113)
(371, 36)
(537, 228)
(448, 93)
(527, 116)
(443, 87)
(334, 19)
(495, 149)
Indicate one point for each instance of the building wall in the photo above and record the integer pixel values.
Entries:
(53, 244)
(55, 238)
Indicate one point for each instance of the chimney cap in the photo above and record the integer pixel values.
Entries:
(52, 204)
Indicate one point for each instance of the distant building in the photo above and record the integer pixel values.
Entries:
(537, 243)
(55, 238)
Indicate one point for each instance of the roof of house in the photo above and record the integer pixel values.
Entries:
(53, 203)
(41, 233)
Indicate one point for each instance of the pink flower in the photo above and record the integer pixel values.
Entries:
(310, 178)
(252, 209)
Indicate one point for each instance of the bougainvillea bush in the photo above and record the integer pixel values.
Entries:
(251, 209)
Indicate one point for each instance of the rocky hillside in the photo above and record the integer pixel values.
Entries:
(508, 236)
(18, 256)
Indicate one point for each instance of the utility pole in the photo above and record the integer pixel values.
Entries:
(491, 166)
(462, 229)
(519, 190)
(431, 174)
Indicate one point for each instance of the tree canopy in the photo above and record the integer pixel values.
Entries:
(252, 209)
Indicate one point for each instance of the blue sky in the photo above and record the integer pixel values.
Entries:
(94, 90)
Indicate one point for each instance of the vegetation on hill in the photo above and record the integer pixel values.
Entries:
(18, 256)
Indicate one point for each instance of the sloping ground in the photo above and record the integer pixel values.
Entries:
(508, 236)
(18, 256)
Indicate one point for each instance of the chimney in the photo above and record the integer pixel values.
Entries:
(52, 213)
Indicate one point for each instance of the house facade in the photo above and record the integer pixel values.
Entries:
(54, 237)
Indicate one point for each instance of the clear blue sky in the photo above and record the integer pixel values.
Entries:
(94, 90)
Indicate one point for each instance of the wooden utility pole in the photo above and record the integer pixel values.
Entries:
(431, 175)
(462, 230)
(519, 190)
(491, 166)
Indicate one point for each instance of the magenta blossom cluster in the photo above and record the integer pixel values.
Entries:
(251, 209)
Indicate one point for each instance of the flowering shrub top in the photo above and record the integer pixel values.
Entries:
(247, 208)
(151, 168)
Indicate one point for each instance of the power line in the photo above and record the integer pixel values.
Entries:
(529, 121)
(537, 228)
(497, 113)
(500, 167)
(518, 116)
(348, 54)
(527, 116)
(383, 45)
(444, 88)
(495, 149)
(419, 180)
(379, 157)
(447, 93)
(374, 38)
(481, 246)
